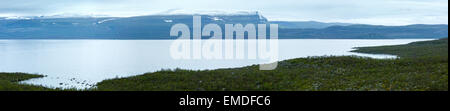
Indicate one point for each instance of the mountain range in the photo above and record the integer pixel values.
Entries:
(158, 27)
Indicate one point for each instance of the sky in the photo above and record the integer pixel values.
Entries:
(376, 12)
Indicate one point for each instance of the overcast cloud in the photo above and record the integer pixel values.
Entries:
(378, 12)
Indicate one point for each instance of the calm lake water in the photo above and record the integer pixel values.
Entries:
(83, 63)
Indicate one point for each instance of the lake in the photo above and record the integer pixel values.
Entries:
(83, 63)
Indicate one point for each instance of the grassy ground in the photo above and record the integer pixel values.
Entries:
(426, 49)
(9, 82)
(423, 66)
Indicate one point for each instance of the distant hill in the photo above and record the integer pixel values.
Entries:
(306, 24)
(369, 32)
(158, 27)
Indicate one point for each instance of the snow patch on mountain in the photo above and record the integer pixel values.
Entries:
(168, 21)
(70, 15)
(64, 15)
(106, 20)
(18, 17)
(209, 12)
(216, 19)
